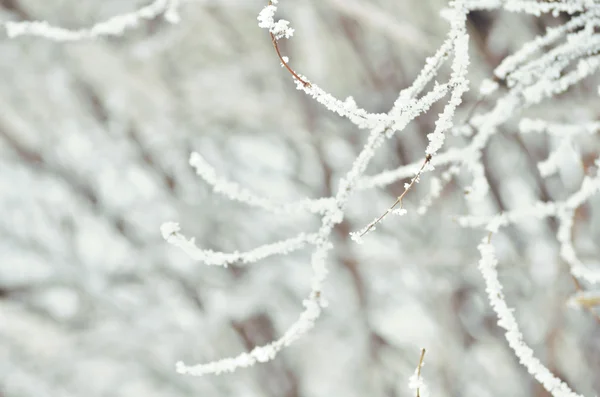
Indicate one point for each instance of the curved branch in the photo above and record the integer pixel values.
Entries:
(114, 26)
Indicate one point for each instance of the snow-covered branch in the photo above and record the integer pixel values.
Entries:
(114, 26)
(507, 320)
(235, 192)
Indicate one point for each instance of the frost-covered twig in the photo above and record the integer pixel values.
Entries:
(347, 108)
(235, 192)
(546, 88)
(170, 232)
(114, 26)
(507, 320)
(553, 34)
(563, 211)
(549, 65)
(386, 178)
(562, 130)
(540, 210)
(356, 236)
(278, 30)
(534, 7)
(567, 250)
(458, 81)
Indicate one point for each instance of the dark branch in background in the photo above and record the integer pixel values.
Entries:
(38, 163)
(14, 7)
(278, 380)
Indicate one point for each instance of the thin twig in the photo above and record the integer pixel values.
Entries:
(399, 199)
(416, 178)
(283, 62)
(419, 370)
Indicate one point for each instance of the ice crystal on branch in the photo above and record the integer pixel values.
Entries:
(280, 28)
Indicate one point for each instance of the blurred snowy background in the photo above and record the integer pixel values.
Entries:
(95, 138)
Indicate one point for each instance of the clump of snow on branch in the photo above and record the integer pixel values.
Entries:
(416, 382)
(280, 28)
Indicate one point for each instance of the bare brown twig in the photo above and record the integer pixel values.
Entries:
(399, 199)
(283, 62)
(419, 370)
